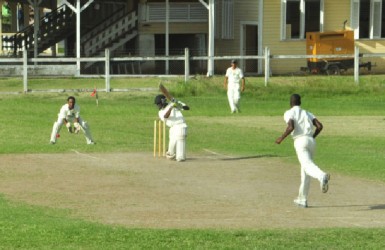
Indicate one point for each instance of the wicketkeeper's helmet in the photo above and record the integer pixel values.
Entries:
(160, 101)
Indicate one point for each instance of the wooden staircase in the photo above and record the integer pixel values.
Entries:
(54, 27)
(112, 33)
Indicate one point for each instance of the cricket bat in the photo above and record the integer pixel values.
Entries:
(167, 94)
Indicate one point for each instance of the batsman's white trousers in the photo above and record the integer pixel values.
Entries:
(234, 95)
(83, 124)
(177, 141)
(305, 149)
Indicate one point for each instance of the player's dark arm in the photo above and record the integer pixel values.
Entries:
(289, 129)
(243, 84)
(225, 82)
(318, 126)
(167, 114)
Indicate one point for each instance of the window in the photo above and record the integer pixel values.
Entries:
(299, 17)
(227, 19)
(368, 18)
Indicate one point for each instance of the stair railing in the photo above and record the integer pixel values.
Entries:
(111, 33)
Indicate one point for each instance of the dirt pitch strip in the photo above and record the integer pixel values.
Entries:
(207, 191)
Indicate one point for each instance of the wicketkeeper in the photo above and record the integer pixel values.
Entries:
(69, 115)
(171, 114)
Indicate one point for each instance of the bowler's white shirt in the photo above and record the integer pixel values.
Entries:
(234, 76)
(69, 114)
(303, 121)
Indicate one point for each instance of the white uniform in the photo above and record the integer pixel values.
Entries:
(304, 145)
(234, 77)
(70, 115)
(177, 133)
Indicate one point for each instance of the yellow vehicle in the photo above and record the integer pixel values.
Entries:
(331, 43)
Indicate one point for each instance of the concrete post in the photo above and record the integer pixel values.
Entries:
(107, 70)
(25, 71)
(267, 65)
(356, 64)
(186, 64)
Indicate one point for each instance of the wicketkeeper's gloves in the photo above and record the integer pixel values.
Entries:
(69, 128)
(77, 127)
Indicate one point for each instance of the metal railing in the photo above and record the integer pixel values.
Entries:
(179, 12)
(25, 63)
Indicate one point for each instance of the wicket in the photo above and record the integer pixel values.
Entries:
(159, 126)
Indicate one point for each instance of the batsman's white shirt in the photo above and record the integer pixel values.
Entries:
(234, 77)
(303, 121)
(69, 114)
(176, 116)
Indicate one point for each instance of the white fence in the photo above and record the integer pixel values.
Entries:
(26, 67)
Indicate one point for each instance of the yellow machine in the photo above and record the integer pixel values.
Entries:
(331, 43)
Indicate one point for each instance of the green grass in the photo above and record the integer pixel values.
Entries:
(123, 122)
(26, 227)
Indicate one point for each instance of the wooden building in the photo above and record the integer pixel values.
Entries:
(142, 28)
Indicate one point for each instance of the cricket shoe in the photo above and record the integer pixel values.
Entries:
(170, 156)
(52, 142)
(300, 203)
(325, 183)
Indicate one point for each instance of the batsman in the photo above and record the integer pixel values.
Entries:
(171, 114)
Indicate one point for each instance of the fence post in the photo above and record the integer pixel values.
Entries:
(107, 70)
(25, 71)
(267, 65)
(356, 64)
(186, 64)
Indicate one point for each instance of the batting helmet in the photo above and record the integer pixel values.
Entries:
(160, 101)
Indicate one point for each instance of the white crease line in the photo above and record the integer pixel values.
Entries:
(215, 153)
(89, 156)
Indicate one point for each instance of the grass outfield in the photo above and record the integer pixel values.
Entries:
(351, 144)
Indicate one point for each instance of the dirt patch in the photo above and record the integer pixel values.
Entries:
(206, 191)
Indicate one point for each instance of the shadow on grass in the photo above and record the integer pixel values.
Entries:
(377, 207)
(370, 207)
(229, 158)
(248, 157)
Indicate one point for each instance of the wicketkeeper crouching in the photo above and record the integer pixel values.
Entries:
(69, 115)
(171, 114)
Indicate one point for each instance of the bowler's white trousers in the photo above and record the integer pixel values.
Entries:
(177, 142)
(305, 149)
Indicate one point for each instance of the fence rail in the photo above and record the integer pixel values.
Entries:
(26, 63)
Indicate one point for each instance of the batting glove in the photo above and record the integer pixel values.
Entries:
(77, 127)
(180, 105)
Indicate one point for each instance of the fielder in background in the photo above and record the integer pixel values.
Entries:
(300, 125)
(234, 84)
(171, 114)
(69, 115)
